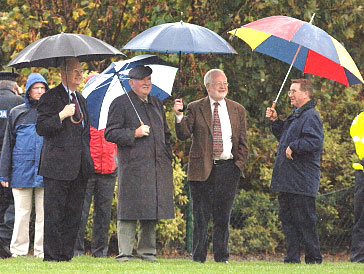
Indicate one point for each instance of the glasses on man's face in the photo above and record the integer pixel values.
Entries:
(76, 71)
(221, 84)
(291, 92)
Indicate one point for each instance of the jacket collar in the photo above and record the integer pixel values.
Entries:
(136, 99)
(297, 112)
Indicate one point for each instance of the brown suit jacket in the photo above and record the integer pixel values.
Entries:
(197, 123)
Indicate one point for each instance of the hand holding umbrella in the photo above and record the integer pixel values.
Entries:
(68, 111)
(142, 131)
(178, 106)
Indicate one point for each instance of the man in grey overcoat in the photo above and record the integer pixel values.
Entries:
(145, 165)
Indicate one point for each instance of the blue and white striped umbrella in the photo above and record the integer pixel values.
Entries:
(102, 89)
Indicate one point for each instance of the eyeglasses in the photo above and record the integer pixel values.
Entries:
(220, 84)
(76, 71)
(291, 92)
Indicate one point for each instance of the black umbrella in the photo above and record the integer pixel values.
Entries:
(49, 51)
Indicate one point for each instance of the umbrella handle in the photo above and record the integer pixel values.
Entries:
(141, 123)
(274, 105)
(184, 107)
(76, 122)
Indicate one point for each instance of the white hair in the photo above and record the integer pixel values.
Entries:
(208, 76)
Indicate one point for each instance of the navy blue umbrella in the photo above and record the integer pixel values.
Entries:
(180, 37)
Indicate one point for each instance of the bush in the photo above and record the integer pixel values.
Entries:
(255, 224)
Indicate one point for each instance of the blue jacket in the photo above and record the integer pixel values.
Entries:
(303, 132)
(22, 145)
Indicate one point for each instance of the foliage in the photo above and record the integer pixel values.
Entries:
(255, 224)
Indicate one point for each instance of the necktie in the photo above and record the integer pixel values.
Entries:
(217, 147)
(77, 107)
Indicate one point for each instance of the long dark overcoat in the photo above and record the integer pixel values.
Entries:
(302, 131)
(145, 164)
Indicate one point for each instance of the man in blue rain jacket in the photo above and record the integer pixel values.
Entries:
(296, 173)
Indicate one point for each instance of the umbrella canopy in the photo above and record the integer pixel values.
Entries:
(320, 54)
(180, 37)
(49, 51)
(102, 89)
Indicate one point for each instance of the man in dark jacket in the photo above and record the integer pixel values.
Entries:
(296, 173)
(8, 100)
(145, 164)
(65, 162)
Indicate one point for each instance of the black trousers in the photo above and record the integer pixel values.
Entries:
(62, 215)
(215, 198)
(357, 237)
(7, 217)
(298, 216)
(101, 188)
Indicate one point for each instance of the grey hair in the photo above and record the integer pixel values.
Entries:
(7, 84)
(65, 62)
(208, 76)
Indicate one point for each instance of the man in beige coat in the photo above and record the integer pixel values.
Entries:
(216, 160)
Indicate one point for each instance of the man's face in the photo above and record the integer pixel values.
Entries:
(297, 96)
(141, 87)
(36, 91)
(218, 88)
(74, 74)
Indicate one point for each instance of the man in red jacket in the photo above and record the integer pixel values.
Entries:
(101, 186)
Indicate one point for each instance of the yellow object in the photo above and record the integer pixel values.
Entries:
(251, 36)
(357, 133)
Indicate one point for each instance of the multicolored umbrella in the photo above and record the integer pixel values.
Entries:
(320, 54)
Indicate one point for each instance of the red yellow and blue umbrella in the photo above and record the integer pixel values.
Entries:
(320, 54)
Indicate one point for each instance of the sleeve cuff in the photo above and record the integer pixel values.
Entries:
(179, 118)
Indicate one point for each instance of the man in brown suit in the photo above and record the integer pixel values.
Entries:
(217, 158)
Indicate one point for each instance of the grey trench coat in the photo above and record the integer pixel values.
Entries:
(145, 164)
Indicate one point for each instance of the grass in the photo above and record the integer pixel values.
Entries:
(89, 265)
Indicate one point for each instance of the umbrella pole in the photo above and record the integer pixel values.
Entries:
(121, 83)
(68, 92)
(179, 94)
(289, 70)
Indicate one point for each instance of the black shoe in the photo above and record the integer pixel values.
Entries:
(4, 252)
(148, 257)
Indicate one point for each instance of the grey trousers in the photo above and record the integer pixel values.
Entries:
(146, 238)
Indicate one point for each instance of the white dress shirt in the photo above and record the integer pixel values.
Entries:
(225, 128)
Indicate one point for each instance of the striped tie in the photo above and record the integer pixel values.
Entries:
(77, 107)
(217, 147)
